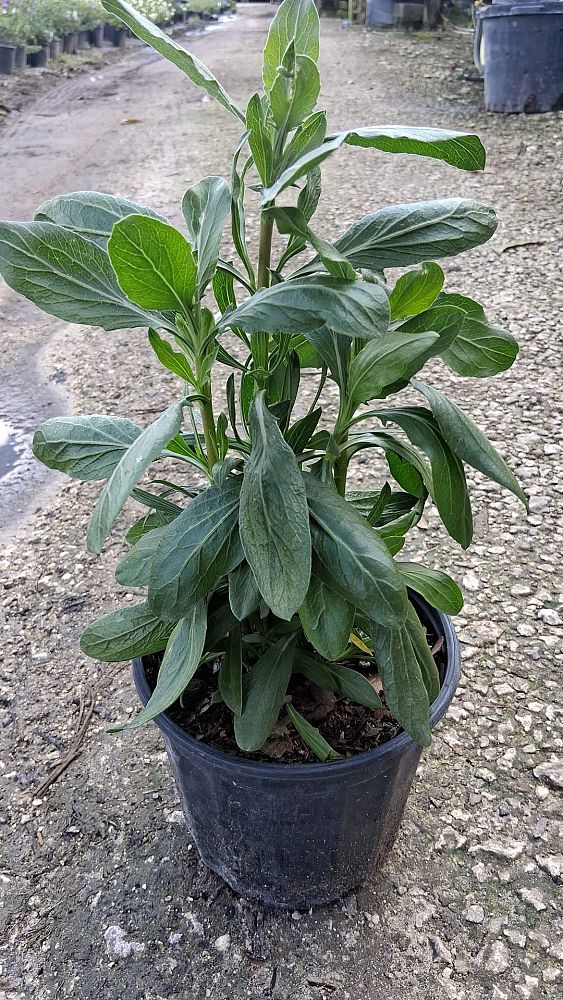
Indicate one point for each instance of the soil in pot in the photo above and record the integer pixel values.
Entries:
(348, 727)
(7, 59)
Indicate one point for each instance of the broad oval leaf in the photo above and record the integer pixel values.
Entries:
(90, 213)
(327, 619)
(294, 99)
(349, 308)
(67, 276)
(85, 448)
(449, 486)
(468, 441)
(145, 449)
(199, 548)
(134, 569)
(438, 588)
(179, 664)
(297, 21)
(244, 596)
(206, 206)
(352, 558)
(416, 290)
(380, 363)
(423, 230)
(125, 634)
(274, 518)
(148, 32)
(264, 691)
(153, 262)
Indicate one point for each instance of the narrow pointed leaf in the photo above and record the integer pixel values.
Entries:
(293, 100)
(468, 441)
(327, 619)
(198, 549)
(145, 449)
(124, 634)
(419, 641)
(244, 596)
(438, 588)
(274, 519)
(179, 664)
(230, 674)
(342, 680)
(297, 21)
(206, 206)
(353, 559)
(259, 138)
(174, 361)
(148, 32)
(403, 685)
(84, 447)
(264, 692)
(312, 737)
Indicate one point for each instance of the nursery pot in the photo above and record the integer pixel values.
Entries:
(55, 48)
(97, 36)
(119, 38)
(21, 55)
(299, 835)
(83, 40)
(70, 43)
(39, 59)
(7, 59)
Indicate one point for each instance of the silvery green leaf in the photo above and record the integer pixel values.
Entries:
(125, 634)
(84, 447)
(297, 21)
(206, 206)
(90, 213)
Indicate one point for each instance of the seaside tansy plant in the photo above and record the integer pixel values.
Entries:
(274, 566)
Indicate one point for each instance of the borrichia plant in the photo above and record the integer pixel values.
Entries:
(274, 567)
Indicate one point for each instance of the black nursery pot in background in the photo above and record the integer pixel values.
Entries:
(299, 835)
(96, 36)
(7, 59)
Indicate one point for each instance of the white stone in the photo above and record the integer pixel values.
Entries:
(509, 851)
(551, 772)
(474, 914)
(222, 943)
(471, 582)
(497, 960)
(550, 617)
(515, 936)
(552, 864)
(117, 944)
(534, 898)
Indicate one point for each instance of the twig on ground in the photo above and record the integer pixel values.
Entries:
(87, 706)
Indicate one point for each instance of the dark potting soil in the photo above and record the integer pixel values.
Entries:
(349, 728)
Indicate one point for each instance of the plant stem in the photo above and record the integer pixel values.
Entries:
(208, 421)
(260, 341)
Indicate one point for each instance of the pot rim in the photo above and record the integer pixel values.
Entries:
(399, 744)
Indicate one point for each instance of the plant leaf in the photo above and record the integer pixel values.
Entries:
(310, 135)
(352, 558)
(479, 350)
(145, 449)
(342, 680)
(124, 634)
(179, 664)
(380, 363)
(274, 519)
(327, 619)
(84, 447)
(449, 489)
(90, 213)
(244, 596)
(264, 692)
(350, 308)
(259, 138)
(438, 588)
(422, 230)
(297, 21)
(67, 276)
(404, 688)
(421, 650)
(293, 99)
(460, 149)
(291, 221)
(416, 290)
(174, 361)
(312, 737)
(148, 32)
(134, 569)
(206, 206)
(153, 262)
(199, 548)
(230, 674)
(468, 441)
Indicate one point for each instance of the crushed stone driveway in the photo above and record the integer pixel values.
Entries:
(103, 894)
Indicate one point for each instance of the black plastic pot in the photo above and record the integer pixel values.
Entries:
(7, 59)
(97, 37)
(40, 58)
(299, 835)
(70, 43)
(21, 55)
(55, 48)
(119, 38)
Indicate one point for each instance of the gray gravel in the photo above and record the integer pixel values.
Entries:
(104, 895)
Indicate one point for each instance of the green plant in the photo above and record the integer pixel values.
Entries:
(275, 566)
(13, 24)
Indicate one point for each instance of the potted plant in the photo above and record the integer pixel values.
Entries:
(293, 660)
(8, 39)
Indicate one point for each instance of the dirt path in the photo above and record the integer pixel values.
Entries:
(103, 894)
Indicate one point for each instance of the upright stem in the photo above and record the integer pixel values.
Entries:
(208, 421)
(260, 341)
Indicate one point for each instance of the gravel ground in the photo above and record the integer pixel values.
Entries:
(103, 893)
